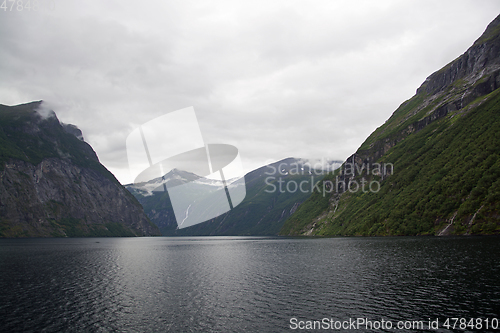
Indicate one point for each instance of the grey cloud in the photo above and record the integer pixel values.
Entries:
(275, 79)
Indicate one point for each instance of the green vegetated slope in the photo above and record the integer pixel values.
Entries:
(52, 183)
(444, 145)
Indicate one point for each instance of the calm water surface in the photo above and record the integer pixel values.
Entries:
(242, 284)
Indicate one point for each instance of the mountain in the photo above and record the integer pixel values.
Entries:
(433, 166)
(273, 193)
(156, 200)
(52, 184)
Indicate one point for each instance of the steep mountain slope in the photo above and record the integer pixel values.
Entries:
(443, 149)
(272, 195)
(52, 184)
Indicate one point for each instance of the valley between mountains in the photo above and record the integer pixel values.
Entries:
(433, 168)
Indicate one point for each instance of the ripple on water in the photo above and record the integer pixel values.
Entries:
(252, 284)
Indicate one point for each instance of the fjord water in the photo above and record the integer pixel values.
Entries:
(241, 284)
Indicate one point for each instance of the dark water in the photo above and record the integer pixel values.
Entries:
(238, 284)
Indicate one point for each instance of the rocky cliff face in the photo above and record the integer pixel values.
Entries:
(481, 59)
(52, 184)
(442, 146)
(474, 74)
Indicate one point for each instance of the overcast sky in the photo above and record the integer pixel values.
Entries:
(277, 79)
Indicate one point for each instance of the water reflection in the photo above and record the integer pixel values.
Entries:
(223, 284)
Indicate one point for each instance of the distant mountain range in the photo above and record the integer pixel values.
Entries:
(273, 193)
(52, 184)
(442, 149)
